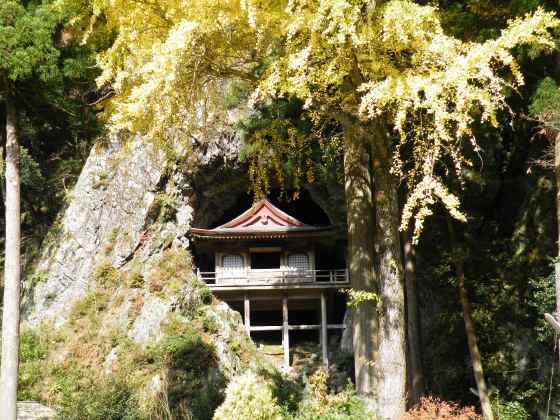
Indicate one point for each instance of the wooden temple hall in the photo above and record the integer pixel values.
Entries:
(282, 275)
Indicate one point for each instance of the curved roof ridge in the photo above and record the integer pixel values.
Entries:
(260, 214)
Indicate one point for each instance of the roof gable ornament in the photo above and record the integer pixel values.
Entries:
(262, 214)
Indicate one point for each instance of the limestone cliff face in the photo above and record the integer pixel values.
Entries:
(116, 266)
(109, 204)
(130, 202)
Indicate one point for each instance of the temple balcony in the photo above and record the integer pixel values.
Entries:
(274, 279)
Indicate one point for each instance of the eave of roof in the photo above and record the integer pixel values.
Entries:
(270, 233)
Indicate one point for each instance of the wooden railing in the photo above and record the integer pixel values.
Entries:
(274, 277)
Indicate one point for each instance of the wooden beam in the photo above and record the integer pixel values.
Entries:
(296, 327)
(286, 286)
(285, 332)
(247, 313)
(324, 329)
(238, 295)
(553, 322)
(268, 328)
(304, 327)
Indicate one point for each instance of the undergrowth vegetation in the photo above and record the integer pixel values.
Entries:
(433, 408)
(92, 368)
(261, 397)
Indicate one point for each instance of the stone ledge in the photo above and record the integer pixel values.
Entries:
(31, 410)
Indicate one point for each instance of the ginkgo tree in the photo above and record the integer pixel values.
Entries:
(385, 71)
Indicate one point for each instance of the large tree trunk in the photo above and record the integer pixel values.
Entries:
(12, 271)
(476, 358)
(359, 203)
(414, 346)
(375, 266)
(391, 387)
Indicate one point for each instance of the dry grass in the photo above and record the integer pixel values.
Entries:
(431, 408)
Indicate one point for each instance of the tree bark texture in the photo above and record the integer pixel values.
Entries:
(414, 341)
(470, 330)
(557, 264)
(12, 271)
(391, 386)
(359, 203)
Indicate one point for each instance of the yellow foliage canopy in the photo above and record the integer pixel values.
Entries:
(346, 59)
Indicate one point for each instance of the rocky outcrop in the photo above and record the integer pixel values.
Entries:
(30, 410)
(130, 201)
(108, 207)
(116, 279)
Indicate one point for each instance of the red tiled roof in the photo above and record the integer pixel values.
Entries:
(262, 220)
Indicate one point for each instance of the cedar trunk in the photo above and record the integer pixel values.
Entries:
(374, 256)
(414, 341)
(359, 203)
(391, 387)
(557, 265)
(12, 271)
(476, 358)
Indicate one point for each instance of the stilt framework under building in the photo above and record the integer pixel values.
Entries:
(265, 259)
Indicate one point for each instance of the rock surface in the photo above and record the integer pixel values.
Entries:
(131, 208)
(30, 410)
(113, 210)
(108, 207)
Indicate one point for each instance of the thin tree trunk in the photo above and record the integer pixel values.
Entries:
(391, 387)
(12, 272)
(476, 358)
(414, 346)
(359, 203)
(557, 265)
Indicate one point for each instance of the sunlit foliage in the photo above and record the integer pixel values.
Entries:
(399, 63)
(171, 63)
(546, 104)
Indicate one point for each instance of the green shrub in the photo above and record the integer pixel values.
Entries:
(32, 346)
(319, 403)
(194, 298)
(106, 275)
(163, 208)
(173, 270)
(136, 279)
(36, 278)
(33, 351)
(249, 397)
(189, 357)
(243, 347)
(187, 351)
(89, 306)
(111, 399)
(209, 322)
(288, 391)
(175, 262)
(509, 410)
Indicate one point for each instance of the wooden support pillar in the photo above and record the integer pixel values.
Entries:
(285, 332)
(247, 314)
(324, 335)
